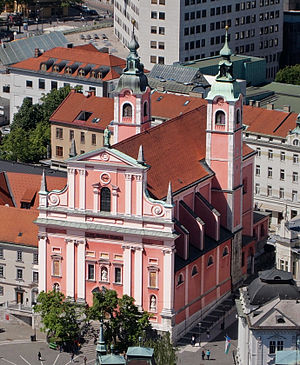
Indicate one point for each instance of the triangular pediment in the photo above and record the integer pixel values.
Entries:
(273, 318)
(107, 155)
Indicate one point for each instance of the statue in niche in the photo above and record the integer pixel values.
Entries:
(153, 303)
(104, 276)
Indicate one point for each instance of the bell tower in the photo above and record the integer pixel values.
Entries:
(132, 100)
(224, 151)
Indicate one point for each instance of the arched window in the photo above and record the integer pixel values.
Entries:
(210, 261)
(153, 303)
(56, 287)
(225, 251)
(105, 200)
(127, 110)
(194, 270)
(295, 142)
(238, 116)
(145, 108)
(220, 117)
(180, 279)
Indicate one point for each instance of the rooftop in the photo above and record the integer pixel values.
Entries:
(17, 226)
(276, 93)
(78, 58)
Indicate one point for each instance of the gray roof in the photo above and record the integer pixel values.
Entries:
(176, 78)
(140, 352)
(19, 50)
(211, 61)
(25, 168)
(272, 284)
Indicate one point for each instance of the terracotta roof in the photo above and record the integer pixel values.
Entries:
(87, 47)
(170, 105)
(27, 186)
(76, 54)
(268, 122)
(70, 108)
(5, 196)
(174, 151)
(17, 226)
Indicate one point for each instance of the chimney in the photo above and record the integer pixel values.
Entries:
(270, 106)
(90, 93)
(251, 102)
(36, 52)
(286, 108)
(257, 104)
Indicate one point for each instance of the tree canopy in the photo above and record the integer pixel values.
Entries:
(61, 318)
(289, 75)
(30, 128)
(123, 322)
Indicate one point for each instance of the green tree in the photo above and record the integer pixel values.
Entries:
(164, 351)
(30, 128)
(289, 75)
(61, 318)
(124, 323)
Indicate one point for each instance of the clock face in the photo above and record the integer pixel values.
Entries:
(105, 178)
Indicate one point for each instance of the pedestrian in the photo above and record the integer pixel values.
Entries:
(207, 354)
(72, 357)
(203, 355)
(39, 356)
(193, 340)
(84, 360)
(207, 335)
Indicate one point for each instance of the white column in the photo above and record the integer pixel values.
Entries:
(138, 277)
(81, 270)
(42, 263)
(70, 277)
(168, 287)
(71, 185)
(96, 198)
(128, 189)
(139, 195)
(114, 199)
(127, 270)
(82, 189)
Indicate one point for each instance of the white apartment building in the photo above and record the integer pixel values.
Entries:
(19, 273)
(185, 30)
(81, 66)
(275, 135)
(268, 320)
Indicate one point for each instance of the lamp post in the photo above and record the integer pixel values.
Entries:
(199, 326)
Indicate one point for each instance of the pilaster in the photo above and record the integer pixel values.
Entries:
(82, 187)
(138, 276)
(139, 195)
(42, 262)
(71, 190)
(127, 270)
(114, 193)
(168, 282)
(80, 270)
(128, 192)
(70, 266)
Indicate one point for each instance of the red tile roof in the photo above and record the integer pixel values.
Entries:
(27, 186)
(5, 196)
(174, 150)
(269, 122)
(17, 226)
(76, 54)
(87, 47)
(170, 105)
(74, 103)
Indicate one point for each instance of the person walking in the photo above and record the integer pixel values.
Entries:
(39, 356)
(84, 360)
(193, 340)
(72, 357)
(207, 354)
(203, 355)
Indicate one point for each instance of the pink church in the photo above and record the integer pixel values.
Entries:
(165, 214)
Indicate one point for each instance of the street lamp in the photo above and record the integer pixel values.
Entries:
(199, 326)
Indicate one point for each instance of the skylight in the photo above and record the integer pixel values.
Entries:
(84, 115)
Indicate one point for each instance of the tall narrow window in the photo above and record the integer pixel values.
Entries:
(238, 117)
(105, 200)
(56, 267)
(220, 117)
(145, 109)
(118, 275)
(127, 110)
(153, 279)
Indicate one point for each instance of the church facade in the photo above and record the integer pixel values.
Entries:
(164, 215)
